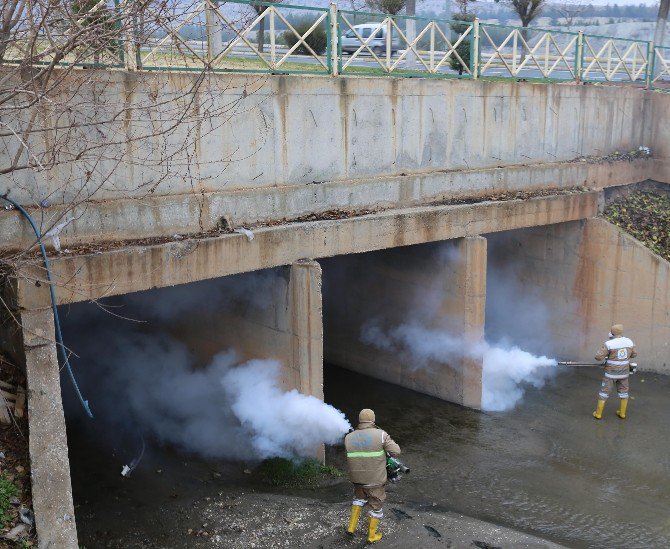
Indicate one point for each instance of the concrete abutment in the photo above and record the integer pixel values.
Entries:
(29, 338)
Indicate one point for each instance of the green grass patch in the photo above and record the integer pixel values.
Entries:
(7, 491)
(646, 216)
(284, 472)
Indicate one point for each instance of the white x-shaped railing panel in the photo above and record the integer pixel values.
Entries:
(515, 54)
(432, 60)
(274, 58)
(612, 63)
(661, 65)
(173, 39)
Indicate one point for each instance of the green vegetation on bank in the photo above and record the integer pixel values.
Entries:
(7, 492)
(646, 216)
(284, 472)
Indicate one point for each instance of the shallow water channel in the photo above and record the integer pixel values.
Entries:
(546, 468)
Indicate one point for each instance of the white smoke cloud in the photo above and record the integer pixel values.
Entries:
(505, 370)
(280, 423)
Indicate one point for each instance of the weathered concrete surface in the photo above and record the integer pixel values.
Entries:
(660, 135)
(50, 468)
(592, 275)
(255, 148)
(293, 130)
(276, 315)
(136, 268)
(307, 327)
(620, 280)
(435, 286)
(470, 295)
(182, 214)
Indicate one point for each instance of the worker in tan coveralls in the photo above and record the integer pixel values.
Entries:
(618, 351)
(366, 448)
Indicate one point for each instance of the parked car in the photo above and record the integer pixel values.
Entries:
(351, 42)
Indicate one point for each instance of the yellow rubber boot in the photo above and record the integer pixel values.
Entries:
(373, 536)
(598, 414)
(621, 412)
(353, 519)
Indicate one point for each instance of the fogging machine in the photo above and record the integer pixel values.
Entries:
(632, 366)
(395, 469)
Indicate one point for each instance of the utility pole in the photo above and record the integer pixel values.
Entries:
(661, 22)
(410, 32)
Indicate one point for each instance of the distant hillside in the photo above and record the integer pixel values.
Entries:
(634, 21)
(635, 30)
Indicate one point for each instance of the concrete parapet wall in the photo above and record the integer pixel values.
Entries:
(278, 147)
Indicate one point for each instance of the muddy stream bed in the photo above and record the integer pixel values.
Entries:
(546, 469)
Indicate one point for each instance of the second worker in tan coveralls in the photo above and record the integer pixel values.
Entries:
(618, 350)
(366, 448)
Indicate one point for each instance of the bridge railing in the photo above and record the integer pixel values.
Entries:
(271, 37)
(660, 69)
(528, 53)
(607, 59)
(372, 43)
(241, 36)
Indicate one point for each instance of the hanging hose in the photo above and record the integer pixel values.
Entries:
(59, 338)
(128, 469)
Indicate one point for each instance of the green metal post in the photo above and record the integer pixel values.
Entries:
(579, 57)
(651, 57)
(474, 52)
(333, 44)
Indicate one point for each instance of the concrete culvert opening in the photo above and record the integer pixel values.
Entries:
(385, 312)
(191, 388)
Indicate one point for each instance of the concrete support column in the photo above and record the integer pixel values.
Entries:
(49, 463)
(307, 326)
(471, 287)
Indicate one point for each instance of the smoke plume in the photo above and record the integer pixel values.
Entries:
(504, 372)
(139, 376)
(507, 367)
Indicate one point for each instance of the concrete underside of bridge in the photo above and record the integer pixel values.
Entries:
(391, 178)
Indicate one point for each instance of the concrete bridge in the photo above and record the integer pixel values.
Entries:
(337, 176)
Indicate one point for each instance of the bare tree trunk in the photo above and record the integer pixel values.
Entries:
(524, 35)
(659, 35)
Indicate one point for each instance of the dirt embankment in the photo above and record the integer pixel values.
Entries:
(646, 216)
(16, 516)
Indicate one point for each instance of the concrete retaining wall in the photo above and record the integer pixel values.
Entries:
(591, 275)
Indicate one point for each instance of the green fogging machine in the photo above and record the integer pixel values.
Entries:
(395, 469)
(632, 367)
